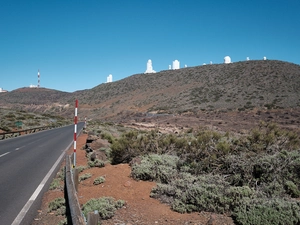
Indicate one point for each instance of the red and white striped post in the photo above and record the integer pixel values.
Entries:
(75, 131)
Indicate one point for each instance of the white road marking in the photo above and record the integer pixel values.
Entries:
(35, 194)
(4, 154)
(20, 147)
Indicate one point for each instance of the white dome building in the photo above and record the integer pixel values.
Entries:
(227, 59)
(149, 67)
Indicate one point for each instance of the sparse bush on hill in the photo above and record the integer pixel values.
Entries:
(9, 117)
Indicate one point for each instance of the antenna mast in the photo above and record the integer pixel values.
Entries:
(38, 78)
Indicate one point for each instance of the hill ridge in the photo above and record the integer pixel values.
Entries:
(237, 86)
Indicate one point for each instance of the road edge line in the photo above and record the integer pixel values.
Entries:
(35, 194)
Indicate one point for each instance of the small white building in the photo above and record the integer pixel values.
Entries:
(265, 58)
(227, 59)
(149, 67)
(2, 91)
(176, 65)
(109, 79)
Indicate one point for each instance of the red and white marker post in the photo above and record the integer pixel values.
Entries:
(75, 132)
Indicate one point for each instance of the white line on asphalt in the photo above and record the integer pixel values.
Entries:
(4, 154)
(20, 147)
(27, 206)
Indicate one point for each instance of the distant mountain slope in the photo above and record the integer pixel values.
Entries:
(236, 86)
(241, 85)
(34, 96)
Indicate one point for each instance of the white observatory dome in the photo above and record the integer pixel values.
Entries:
(227, 59)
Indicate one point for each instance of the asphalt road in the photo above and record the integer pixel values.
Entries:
(25, 163)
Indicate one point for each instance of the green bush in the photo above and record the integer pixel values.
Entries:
(99, 180)
(80, 168)
(63, 222)
(268, 212)
(58, 205)
(55, 184)
(203, 193)
(62, 173)
(106, 206)
(96, 163)
(108, 137)
(85, 176)
(274, 175)
(162, 168)
(126, 147)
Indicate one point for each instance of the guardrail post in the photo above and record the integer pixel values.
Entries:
(76, 178)
(93, 218)
(76, 215)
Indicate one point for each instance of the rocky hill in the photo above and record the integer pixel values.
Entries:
(240, 86)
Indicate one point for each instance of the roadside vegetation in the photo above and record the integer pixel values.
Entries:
(106, 207)
(254, 177)
(11, 120)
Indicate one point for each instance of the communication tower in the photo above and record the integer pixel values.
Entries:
(38, 78)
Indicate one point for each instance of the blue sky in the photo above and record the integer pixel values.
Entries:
(77, 44)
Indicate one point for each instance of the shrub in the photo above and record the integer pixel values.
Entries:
(85, 176)
(99, 180)
(80, 168)
(108, 137)
(63, 222)
(106, 206)
(190, 193)
(292, 189)
(96, 163)
(162, 168)
(274, 175)
(62, 173)
(54, 184)
(57, 205)
(268, 212)
(126, 147)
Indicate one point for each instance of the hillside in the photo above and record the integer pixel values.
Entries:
(240, 86)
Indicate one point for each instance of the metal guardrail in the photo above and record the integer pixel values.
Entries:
(12, 134)
(76, 214)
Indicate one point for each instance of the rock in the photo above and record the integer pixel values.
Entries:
(127, 184)
(101, 155)
(93, 156)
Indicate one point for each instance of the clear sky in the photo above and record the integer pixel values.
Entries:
(77, 44)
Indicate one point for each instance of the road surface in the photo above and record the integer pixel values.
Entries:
(26, 164)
